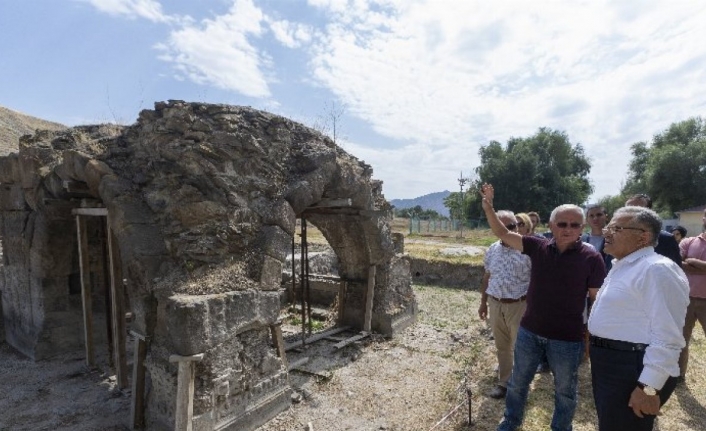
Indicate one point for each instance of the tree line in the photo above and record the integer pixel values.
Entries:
(544, 170)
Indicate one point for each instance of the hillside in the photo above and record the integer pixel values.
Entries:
(432, 201)
(14, 124)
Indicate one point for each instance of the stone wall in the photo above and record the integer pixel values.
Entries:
(446, 274)
(203, 201)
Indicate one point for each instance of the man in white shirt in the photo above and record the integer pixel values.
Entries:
(636, 325)
(504, 286)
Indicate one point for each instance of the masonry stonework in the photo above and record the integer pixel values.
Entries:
(203, 201)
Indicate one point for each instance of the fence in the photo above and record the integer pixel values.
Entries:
(419, 226)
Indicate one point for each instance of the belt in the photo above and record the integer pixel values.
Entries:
(508, 300)
(617, 345)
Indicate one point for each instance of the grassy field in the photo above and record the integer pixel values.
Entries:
(454, 310)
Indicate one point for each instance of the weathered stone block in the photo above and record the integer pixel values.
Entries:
(75, 164)
(94, 170)
(12, 198)
(136, 240)
(9, 169)
(197, 323)
(127, 210)
(274, 242)
(271, 274)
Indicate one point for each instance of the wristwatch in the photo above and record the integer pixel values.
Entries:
(647, 389)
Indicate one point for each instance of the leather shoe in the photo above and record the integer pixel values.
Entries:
(498, 392)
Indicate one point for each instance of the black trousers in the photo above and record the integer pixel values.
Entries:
(614, 375)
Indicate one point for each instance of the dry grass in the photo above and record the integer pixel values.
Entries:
(455, 310)
(428, 246)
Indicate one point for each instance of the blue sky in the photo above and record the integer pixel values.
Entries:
(424, 83)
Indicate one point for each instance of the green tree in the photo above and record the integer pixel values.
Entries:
(612, 203)
(536, 173)
(672, 169)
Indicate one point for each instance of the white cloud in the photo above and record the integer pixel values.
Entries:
(147, 9)
(291, 35)
(218, 51)
(454, 75)
(442, 78)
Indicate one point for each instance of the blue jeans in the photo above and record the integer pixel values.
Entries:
(564, 359)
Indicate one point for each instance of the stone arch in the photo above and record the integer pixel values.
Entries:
(203, 201)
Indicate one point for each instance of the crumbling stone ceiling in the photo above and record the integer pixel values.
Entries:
(207, 192)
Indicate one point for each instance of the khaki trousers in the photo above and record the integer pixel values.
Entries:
(695, 311)
(504, 321)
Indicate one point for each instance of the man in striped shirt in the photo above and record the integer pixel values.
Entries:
(503, 293)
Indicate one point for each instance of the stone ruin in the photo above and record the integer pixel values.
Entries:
(175, 230)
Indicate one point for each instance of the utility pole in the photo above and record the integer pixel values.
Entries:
(461, 182)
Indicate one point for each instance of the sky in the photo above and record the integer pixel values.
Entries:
(419, 85)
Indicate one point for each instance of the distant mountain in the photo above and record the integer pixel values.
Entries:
(432, 201)
(14, 124)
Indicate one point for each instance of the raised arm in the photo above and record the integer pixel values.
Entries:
(511, 239)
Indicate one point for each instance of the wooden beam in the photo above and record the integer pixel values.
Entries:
(298, 363)
(369, 299)
(341, 302)
(137, 405)
(90, 211)
(118, 309)
(333, 203)
(278, 341)
(86, 296)
(183, 420)
(350, 340)
(316, 337)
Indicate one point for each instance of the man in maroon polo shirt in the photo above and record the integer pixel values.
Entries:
(564, 270)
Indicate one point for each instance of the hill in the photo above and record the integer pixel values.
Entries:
(432, 201)
(14, 124)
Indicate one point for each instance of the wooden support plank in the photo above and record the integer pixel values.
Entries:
(341, 302)
(183, 420)
(118, 310)
(333, 203)
(298, 363)
(86, 297)
(316, 337)
(321, 376)
(90, 211)
(137, 405)
(353, 339)
(278, 341)
(369, 299)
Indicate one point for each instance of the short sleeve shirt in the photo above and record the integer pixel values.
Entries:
(695, 248)
(559, 282)
(509, 271)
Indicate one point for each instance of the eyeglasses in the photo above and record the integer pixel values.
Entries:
(613, 229)
(520, 224)
(564, 225)
(511, 226)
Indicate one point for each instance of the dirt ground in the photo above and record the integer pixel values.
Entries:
(414, 382)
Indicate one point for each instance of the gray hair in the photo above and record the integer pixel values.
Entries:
(568, 208)
(644, 217)
(505, 213)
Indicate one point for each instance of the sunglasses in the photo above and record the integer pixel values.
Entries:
(564, 225)
(511, 226)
